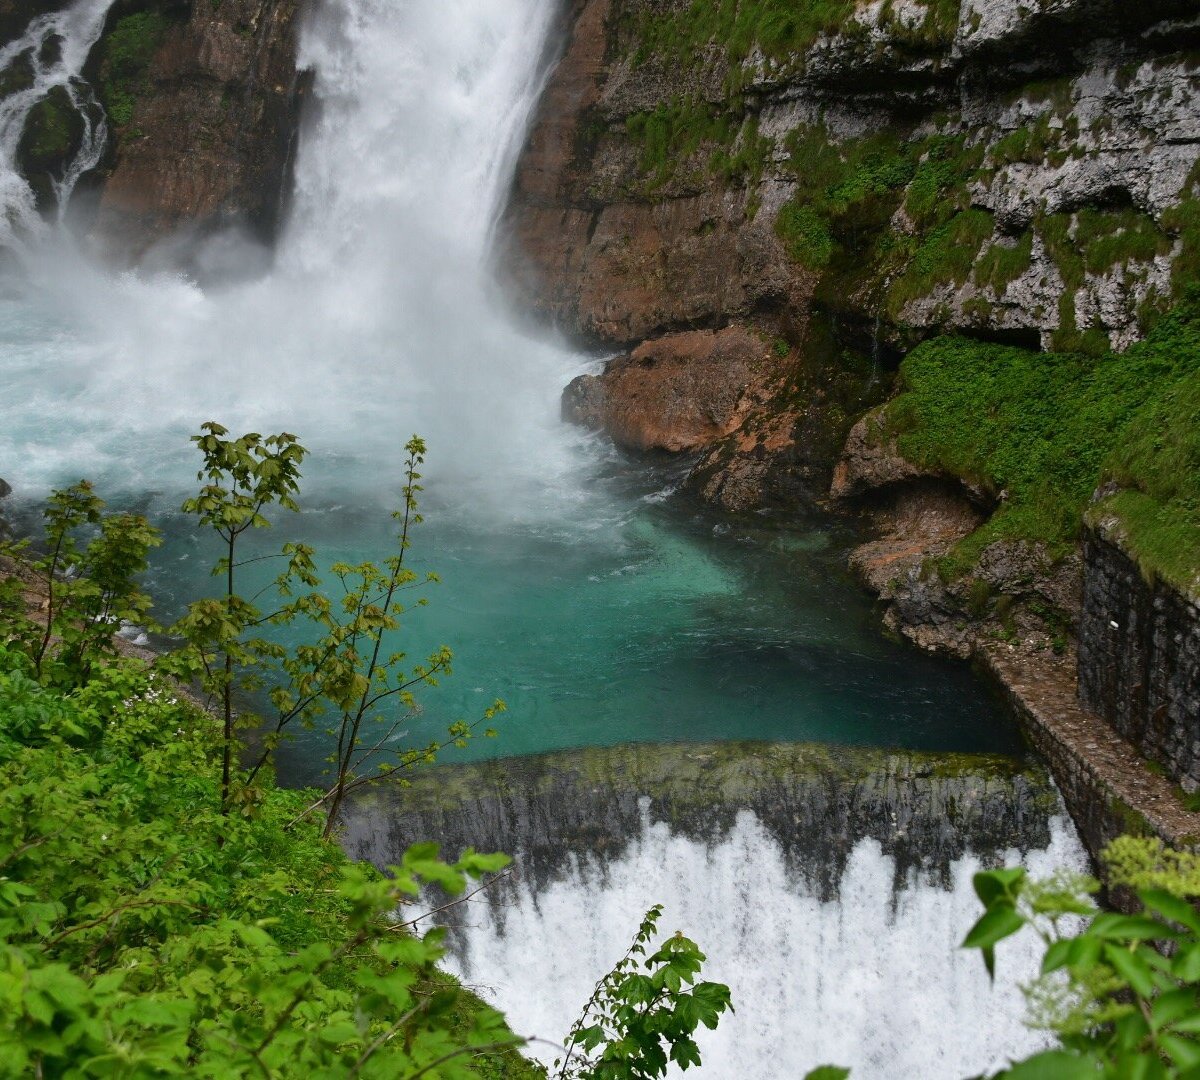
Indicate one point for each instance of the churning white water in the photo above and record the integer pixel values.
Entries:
(51, 54)
(872, 980)
(377, 318)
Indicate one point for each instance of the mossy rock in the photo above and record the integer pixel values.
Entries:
(52, 137)
(15, 15)
(127, 51)
(18, 74)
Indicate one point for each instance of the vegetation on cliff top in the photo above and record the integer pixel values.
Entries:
(1043, 431)
(781, 30)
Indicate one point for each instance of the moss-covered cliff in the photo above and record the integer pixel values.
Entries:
(843, 180)
(848, 179)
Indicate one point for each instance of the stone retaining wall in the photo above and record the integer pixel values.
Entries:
(1139, 659)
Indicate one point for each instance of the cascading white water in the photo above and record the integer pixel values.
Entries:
(377, 318)
(54, 47)
(873, 980)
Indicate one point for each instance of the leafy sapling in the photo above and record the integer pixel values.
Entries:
(243, 477)
(345, 669)
(90, 589)
(644, 1012)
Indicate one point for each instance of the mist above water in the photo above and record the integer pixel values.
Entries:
(377, 318)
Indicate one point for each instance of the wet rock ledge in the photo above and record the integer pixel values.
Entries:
(817, 802)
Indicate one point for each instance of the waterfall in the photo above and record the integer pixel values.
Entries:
(872, 979)
(52, 52)
(829, 888)
(377, 317)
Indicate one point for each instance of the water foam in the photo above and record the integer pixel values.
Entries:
(378, 317)
(873, 980)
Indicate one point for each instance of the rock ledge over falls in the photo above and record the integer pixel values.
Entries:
(817, 802)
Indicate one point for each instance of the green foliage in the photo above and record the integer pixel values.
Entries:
(671, 134)
(1120, 992)
(841, 186)
(1183, 223)
(643, 1014)
(1046, 429)
(1001, 265)
(1157, 460)
(343, 670)
(91, 588)
(127, 52)
(946, 256)
(1096, 241)
(143, 932)
(840, 218)
(782, 29)
(148, 930)
(243, 478)
(806, 233)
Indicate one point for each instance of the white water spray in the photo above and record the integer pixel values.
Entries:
(378, 318)
(52, 52)
(873, 980)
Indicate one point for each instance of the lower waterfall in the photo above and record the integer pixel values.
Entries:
(829, 888)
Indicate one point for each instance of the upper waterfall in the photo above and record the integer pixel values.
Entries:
(377, 317)
(52, 52)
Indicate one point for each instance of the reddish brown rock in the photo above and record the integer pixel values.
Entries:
(870, 460)
(210, 140)
(678, 392)
(598, 257)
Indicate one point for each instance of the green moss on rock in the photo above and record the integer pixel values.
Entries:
(1043, 431)
(52, 133)
(126, 54)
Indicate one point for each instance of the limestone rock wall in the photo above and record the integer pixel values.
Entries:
(1026, 172)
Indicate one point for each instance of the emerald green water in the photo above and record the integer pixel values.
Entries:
(638, 617)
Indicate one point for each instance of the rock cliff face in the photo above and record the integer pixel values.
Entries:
(847, 184)
(205, 102)
(917, 516)
(200, 102)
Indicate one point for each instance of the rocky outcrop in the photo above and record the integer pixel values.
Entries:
(15, 14)
(209, 131)
(1139, 656)
(1013, 591)
(678, 392)
(1024, 172)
